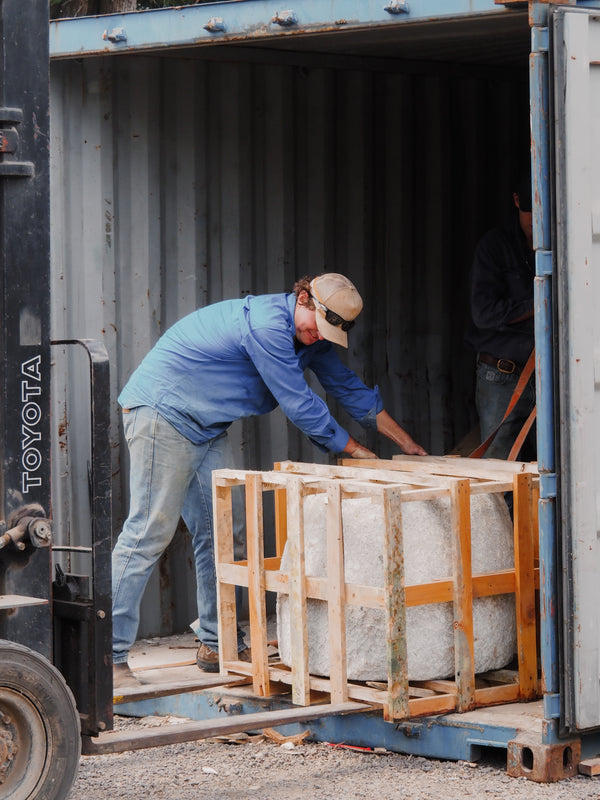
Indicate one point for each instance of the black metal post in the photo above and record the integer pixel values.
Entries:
(25, 305)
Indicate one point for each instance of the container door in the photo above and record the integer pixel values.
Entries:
(575, 37)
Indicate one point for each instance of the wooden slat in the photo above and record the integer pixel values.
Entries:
(257, 606)
(463, 594)
(280, 521)
(491, 695)
(336, 607)
(478, 468)
(440, 686)
(590, 766)
(475, 468)
(353, 468)
(227, 617)
(438, 591)
(393, 576)
(297, 596)
(19, 601)
(150, 691)
(356, 691)
(525, 587)
(439, 704)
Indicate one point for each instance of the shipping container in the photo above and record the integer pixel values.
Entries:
(224, 149)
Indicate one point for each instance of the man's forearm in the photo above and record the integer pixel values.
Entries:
(390, 428)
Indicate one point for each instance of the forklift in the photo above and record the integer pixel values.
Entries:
(55, 627)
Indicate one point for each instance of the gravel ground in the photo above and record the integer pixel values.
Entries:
(255, 766)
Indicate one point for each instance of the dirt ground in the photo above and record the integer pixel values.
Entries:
(254, 766)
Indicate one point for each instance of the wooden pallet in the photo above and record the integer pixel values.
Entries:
(390, 483)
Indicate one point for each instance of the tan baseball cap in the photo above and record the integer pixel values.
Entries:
(338, 303)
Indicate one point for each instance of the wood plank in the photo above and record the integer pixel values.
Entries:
(464, 467)
(439, 686)
(356, 691)
(354, 468)
(19, 601)
(438, 591)
(297, 594)
(280, 521)
(227, 613)
(524, 586)
(119, 741)
(336, 606)
(257, 607)
(393, 577)
(463, 594)
(424, 706)
(148, 691)
(589, 766)
(490, 695)
(475, 468)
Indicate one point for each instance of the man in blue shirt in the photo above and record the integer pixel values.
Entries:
(223, 362)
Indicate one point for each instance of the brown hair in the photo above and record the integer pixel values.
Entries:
(303, 285)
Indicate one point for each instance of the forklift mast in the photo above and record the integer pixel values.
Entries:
(63, 618)
(25, 307)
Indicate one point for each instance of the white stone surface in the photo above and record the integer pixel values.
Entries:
(427, 557)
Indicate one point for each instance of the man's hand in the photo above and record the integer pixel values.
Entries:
(356, 450)
(414, 449)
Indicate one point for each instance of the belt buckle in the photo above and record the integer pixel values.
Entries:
(510, 366)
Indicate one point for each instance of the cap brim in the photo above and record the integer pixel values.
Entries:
(333, 333)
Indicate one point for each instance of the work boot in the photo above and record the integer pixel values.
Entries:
(208, 661)
(123, 678)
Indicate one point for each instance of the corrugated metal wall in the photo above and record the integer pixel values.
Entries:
(177, 182)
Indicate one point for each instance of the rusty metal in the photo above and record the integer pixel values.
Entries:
(28, 524)
(528, 757)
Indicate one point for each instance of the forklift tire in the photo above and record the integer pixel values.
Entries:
(40, 740)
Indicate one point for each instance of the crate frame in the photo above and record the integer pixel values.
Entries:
(392, 483)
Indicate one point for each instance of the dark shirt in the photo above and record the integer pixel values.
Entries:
(501, 290)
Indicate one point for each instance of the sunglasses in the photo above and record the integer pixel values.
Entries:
(332, 318)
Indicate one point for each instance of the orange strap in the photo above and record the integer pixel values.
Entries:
(516, 448)
(522, 382)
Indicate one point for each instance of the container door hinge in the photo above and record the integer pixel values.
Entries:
(551, 706)
(539, 40)
(547, 485)
(543, 263)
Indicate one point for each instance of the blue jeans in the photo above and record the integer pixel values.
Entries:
(170, 477)
(493, 392)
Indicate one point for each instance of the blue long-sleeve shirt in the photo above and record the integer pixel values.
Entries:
(239, 358)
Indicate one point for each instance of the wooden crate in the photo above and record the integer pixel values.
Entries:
(392, 483)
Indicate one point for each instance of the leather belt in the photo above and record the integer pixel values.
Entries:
(502, 364)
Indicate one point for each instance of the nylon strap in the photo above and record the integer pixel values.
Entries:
(518, 391)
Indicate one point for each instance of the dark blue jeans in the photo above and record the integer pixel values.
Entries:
(493, 392)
